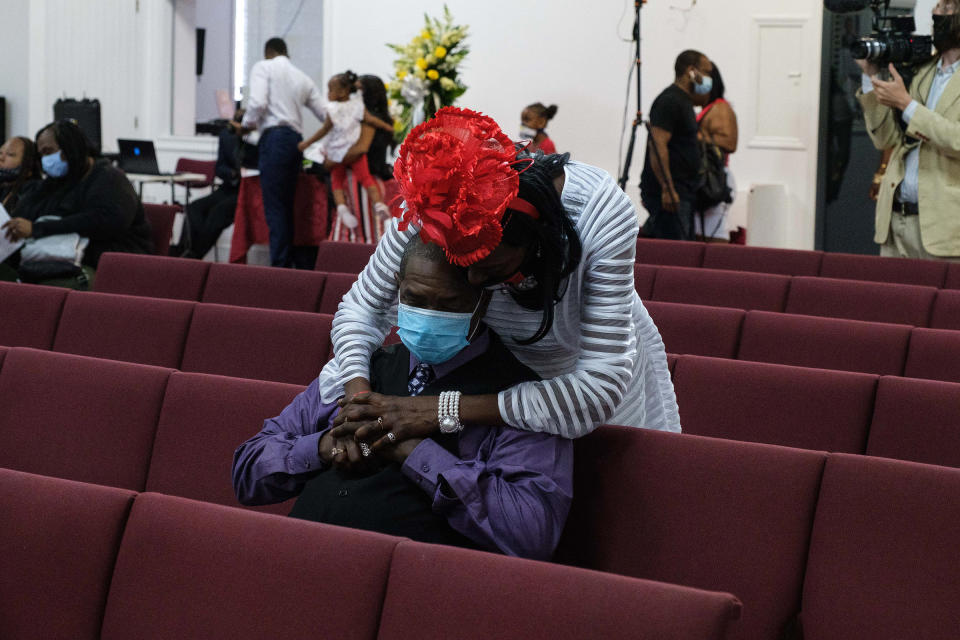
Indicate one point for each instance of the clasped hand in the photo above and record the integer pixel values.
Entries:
(391, 426)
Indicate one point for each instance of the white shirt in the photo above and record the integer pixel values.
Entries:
(345, 117)
(602, 362)
(277, 92)
(910, 187)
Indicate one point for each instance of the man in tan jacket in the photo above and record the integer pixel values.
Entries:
(918, 204)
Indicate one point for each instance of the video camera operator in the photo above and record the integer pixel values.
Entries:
(918, 203)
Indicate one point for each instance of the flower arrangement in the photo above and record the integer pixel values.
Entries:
(426, 76)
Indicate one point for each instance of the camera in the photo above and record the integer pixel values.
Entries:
(893, 39)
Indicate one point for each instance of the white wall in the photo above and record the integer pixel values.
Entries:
(116, 50)
(184, 67)
(300, 24)
(14, 85)
(216, 17)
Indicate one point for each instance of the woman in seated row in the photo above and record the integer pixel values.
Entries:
(19, 170)
(82, 196)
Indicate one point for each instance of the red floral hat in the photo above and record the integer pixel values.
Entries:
(455, 173)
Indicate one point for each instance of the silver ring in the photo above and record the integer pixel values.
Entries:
(380, 422)
(365, 449)
(335, 452)
(392, 437)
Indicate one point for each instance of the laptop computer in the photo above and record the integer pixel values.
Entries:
(139, 156)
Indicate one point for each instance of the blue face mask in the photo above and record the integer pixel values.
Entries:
(54, 165)
(705, 86)
(433, 336)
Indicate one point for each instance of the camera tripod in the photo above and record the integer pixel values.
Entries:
(638, 120)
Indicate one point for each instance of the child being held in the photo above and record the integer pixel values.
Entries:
(345, 113)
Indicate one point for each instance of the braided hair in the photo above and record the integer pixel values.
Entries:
(29, 170)
(74, 146)
(553, 248)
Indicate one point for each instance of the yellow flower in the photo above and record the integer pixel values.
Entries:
(433, 74)
(401, 75)
(420, 74)
(447, 84)
(440, 52)
(422, 63)
(425, 34)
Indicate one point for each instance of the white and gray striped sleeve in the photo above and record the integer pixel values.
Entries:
(573, 404)
(363, 317)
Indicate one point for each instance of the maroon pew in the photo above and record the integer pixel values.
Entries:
(883, 554)
(788, 262)
(151, 276)
(29, 314)
(264, 287)
(58, 543)
(711, 514)
(870, 301)
(343, 257)
(775, 404)
(79, 418)
(669, 252)
(930, 273)
(825, 343)
(718, 288)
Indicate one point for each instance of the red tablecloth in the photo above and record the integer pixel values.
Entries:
(310, 216)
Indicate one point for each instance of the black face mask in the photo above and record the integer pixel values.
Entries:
(9, 175)
(946, 32)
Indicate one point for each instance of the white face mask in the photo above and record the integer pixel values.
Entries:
(528, 133)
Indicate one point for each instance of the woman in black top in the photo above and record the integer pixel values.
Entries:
(92, 198)
(19, 170)
(375, 100)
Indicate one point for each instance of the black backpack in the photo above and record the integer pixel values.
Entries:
(712, 176)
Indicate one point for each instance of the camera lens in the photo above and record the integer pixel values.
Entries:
(868, 49)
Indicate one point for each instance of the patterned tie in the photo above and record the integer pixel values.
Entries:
(422, 376)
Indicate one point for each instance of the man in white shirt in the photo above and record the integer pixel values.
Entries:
(278, 90)
(918, 204)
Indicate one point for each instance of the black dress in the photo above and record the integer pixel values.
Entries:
(102, 206)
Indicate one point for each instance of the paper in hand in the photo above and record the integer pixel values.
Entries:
(7, 248)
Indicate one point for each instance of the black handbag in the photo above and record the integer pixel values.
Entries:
(42, 271)
(712, 176)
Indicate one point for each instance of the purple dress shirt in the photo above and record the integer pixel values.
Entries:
(508, 490)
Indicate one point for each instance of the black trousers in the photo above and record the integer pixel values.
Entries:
(668, 225)
(208, 217)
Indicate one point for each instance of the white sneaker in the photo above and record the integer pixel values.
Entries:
(382, 210)
(346, 216)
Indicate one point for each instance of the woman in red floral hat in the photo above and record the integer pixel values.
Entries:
(553, 242)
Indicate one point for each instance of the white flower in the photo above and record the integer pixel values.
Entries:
(413, 90)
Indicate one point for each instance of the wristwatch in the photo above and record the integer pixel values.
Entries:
(448, 412)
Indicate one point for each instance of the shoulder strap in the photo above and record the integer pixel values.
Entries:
(703, 112)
